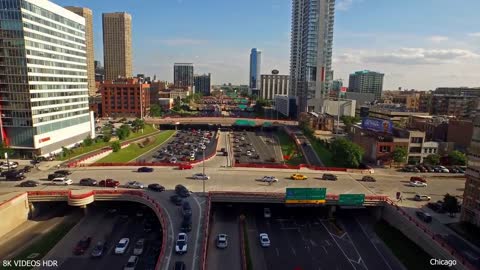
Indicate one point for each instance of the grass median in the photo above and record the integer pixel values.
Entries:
(323, 153)
(134, 150)
(289, 149)
(101, 144)
(408, 252)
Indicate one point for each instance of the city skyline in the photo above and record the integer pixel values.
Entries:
(416, 45)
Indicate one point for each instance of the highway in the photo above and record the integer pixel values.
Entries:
(213, 120)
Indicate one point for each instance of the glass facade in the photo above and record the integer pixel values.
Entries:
(43, 75)
(183, 74)
(255, 68)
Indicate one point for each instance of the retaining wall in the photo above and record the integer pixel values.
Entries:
(14, 212)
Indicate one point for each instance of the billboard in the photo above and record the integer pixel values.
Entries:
(379, 125)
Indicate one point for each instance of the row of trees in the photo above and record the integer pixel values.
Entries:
(400, 154)
(346, 153)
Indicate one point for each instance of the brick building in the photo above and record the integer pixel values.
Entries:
(125, 98)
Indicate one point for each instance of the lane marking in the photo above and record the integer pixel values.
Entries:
(278, 252)
(170, 235)
(324, 248)
(376, 248)
(344, 254)
(200, 213)
(293, 251)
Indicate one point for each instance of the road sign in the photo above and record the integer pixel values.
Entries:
(351, 199)
(306, 195)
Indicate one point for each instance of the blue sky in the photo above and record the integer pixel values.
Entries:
(418, 44)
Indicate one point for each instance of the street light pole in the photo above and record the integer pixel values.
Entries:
(204, 171)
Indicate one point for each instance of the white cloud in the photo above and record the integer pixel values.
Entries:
(438, 39)
(182, 42)
(345, 4)
(477, 34)
(421, 56)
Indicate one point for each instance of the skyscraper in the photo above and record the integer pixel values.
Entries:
(255, 70)
(203, 84)
(88, 15)
(183, 74)
(311, 51)
(117, 45)
(366, 81)
(44, 89)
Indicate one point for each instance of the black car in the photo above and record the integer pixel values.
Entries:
(182, 191)
(29, 183)
(177, 200)
(5, 173)
(55, 175)
(88, 182)
(186, 225)
(426, 217)
(14, 176)
(329, 176)
(26, 169)
(180, 266)
(145, 169)
(156, 187)
(63, 172)
(186, 209)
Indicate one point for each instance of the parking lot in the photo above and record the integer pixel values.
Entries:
(103, 224)
(255, 147)
(185, 145)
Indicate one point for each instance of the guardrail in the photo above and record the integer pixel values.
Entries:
(156, 207)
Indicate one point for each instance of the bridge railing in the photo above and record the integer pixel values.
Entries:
(206, 232)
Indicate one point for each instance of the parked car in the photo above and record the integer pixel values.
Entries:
(131, 263)
(138, 248)
(63, 172)
(88, 182)
(418, 179)
(29, 183)
(108, 183)
(297, 176)
(14, 175)
(156, 187)
(368, 179)
(62, 181)
(417, 184)
(122, 246)
(264, 240)
(200, 176)
(54, 175)
(82, 246)
(175, 199)
(186, 209)
(182, 191)
(185, 166)
(181, 244)
(98, 250)
(222, 241)
(145, 169)
(27, 169)
(426, 217)
(419, 197)
(329, 176)
(437, 207)
(134, 184)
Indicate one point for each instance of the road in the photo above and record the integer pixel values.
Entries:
(213, 120)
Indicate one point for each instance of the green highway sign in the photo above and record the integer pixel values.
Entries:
(351, 199)
(306, 195)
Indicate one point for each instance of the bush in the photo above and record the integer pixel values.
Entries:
(107, 138)
(116, 146)
(88, 141)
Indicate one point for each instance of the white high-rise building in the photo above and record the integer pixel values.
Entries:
(311, 52)
(43, 77)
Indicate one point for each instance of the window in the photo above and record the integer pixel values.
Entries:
(385, 149)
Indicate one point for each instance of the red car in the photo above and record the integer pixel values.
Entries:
(185, 166)
(82, 246)
(109, 183)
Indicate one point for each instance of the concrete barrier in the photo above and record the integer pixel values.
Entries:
(206, 233)
(14, 212)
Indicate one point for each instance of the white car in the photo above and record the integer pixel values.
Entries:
(242, 138)
(4, 165)
(132, 263)
(222, 241)
(62, 181)
(253, 150)
(134, 184)
(181, 245)
(249, 153)
(173, 160)
(236, 140)
(267, 213)
(200, 176)
(122, 246)
(264, 240)
(138, 248)
(269, 179)
(443, 169)
(418, 184)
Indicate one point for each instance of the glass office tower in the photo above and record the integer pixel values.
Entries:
(255, 70)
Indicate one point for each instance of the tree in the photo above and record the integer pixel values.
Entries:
(123, 132)
(432, 159)
(346, 154)
(450, 204)
(107, 138)
(88, 141)
(138, 124)
(5, 149)
(457, 158)
(116, 146)
(65, 151)
(177, 103)
(156, 110)
(400, 154)
(349, 120)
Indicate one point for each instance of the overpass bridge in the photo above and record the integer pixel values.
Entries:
(225, 121)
